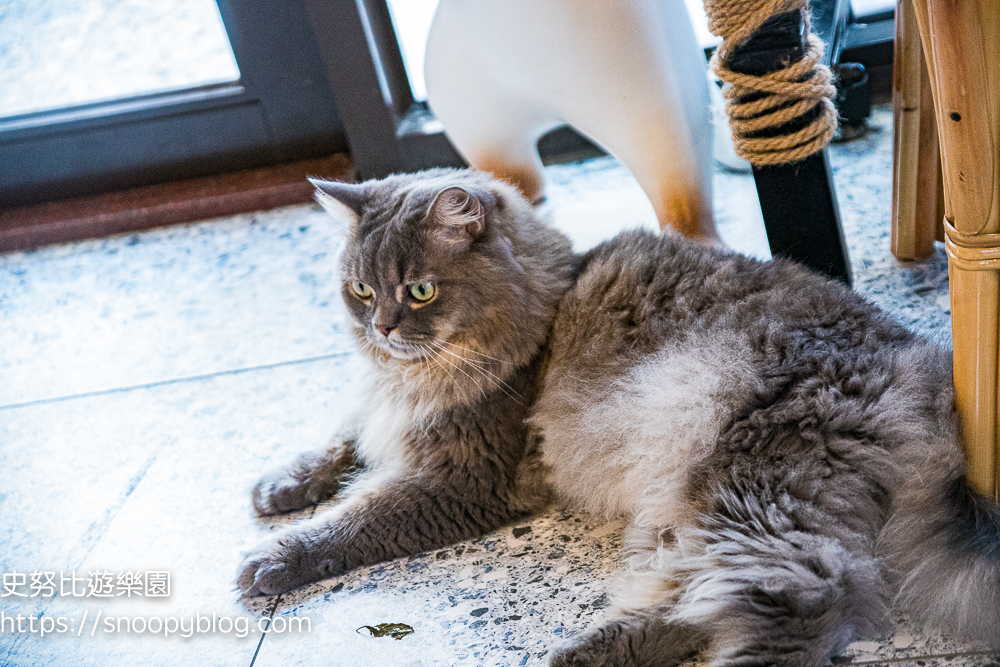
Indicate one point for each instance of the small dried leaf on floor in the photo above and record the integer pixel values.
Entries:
(395, 630)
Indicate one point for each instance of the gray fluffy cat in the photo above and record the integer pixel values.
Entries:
(785, 454)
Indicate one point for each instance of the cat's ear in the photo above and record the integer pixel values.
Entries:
(343, 201)
(457, 217)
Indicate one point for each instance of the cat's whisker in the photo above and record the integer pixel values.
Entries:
(431, 356)
(424, 359)
(421, 355)
(447, 361)
(478, 364)
(490, 377)
(472, 362)
(434, 356)
(481, 367)
(503, 386)
(447, 342)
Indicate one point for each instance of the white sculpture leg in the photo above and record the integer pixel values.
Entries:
(627, 73)
(495, 126)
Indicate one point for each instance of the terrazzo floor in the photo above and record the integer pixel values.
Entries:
(146, 381)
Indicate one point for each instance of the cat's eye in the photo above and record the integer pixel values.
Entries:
(362, 290)
(423, 291)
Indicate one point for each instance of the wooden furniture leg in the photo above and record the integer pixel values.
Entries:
(961, 42)
(917, 189)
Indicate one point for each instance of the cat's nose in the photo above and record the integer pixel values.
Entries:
(385, 329)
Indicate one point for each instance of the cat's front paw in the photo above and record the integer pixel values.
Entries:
(276, 566)
(305, 483)
(580, 655)
(595, 647)
(630, 641)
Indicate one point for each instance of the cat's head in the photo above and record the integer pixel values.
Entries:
(446, 266)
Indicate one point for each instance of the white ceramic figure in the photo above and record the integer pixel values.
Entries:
(628, 74)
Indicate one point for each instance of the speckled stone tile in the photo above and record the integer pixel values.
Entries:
(186, 509)
(64, 481)
(917, 646)
(191, 300)
(505, 598)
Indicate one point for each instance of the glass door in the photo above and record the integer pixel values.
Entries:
(58, 54)
(99, 95)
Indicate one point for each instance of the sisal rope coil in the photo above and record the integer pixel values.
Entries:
(756, 103)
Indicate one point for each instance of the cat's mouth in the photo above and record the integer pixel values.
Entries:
(400, 349)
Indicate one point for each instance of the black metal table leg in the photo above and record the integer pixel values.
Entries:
(799, 206)
(798, 201)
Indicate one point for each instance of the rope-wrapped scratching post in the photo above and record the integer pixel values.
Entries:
(779, 116)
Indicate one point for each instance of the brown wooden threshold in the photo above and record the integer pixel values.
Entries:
(166, 204)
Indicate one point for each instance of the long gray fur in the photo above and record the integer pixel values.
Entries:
(786, 455)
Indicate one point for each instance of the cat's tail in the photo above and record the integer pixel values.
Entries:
(944, 547)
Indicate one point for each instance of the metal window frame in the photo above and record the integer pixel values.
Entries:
(387, 130)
